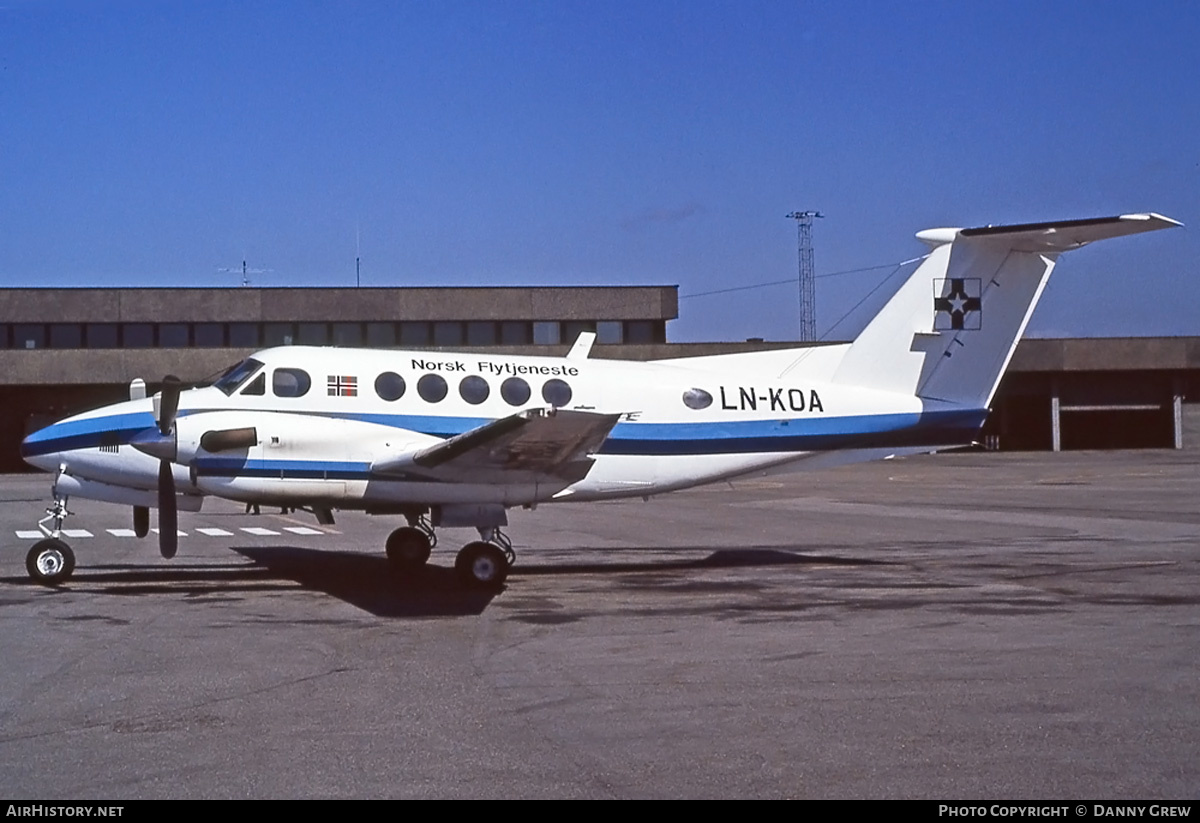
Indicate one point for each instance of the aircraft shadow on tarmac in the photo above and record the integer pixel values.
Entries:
(368, 582)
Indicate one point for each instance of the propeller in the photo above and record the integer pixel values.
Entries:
(165, 408)
(163, 442)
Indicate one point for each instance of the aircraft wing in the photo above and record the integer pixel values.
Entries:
(531, 446)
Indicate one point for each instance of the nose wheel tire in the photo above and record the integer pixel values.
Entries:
(50, 562)
(482, 565)
(408, 548)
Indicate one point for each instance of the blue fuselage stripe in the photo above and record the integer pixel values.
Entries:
(946, 428)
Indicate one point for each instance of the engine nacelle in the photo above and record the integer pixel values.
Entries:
(293, 456)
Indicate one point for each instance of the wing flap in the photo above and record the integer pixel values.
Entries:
(533, 446)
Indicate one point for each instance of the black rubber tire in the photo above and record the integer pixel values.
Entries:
(141, 521)
(481, 565)
(408, 548)
(50, 562)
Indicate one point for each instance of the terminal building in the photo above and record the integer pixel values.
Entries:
(66, 350)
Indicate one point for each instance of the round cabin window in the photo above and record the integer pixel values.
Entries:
(432, 388)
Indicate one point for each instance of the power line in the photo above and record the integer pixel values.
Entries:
(789, 280)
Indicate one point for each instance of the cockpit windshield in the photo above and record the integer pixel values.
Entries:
(238, 375)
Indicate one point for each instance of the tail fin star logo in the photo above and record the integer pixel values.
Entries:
(959, 305)
(342, 386)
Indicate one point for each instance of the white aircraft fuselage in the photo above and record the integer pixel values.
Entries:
(321, 446)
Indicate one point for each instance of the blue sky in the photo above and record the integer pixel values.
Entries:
(513, 143)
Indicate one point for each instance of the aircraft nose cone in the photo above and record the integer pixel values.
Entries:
(39, 450)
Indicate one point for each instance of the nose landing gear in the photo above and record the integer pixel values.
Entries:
(51, 561)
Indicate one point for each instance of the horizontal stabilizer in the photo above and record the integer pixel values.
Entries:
(1057, 236)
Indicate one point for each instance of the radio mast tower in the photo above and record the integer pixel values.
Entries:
(808, 285)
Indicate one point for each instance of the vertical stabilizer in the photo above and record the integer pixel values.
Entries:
(950, 331)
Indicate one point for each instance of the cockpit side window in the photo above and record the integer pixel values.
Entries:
(238, 375)
(290, 383)
(257, 386)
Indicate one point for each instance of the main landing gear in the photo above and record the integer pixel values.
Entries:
(483, 563)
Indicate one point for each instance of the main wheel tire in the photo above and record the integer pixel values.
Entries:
(482, 565)
(50, 562)
(408, 548)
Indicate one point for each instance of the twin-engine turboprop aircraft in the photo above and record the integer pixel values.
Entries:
(448, 439)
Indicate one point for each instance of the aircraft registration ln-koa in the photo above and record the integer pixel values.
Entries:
(456, 439)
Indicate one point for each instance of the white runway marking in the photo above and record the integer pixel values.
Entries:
(258, 531)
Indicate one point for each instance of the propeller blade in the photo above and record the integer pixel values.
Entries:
(168, 516)
(169, 404)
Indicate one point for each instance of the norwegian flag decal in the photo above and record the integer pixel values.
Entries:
(342, 386)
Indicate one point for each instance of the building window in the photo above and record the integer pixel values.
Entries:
(546, 333)
(29, 336)
(4, 336)
(447, 334)
(516, 333)
(389, 386)
(381, 335)
(610, 332)
(474, 389)
(137, 335)
(643, 332)
(290, 383)
(415, 333)
(432, 388)
(515, 391)
(347, 334)
(556, 392)
(101, 335)
(313, 334)
(66, 336)
(279, 334)
(244, 335)
(173, 335)
(573, 328)
(208, 335)
(481, 333)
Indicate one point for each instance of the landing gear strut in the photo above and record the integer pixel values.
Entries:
(51, 561)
